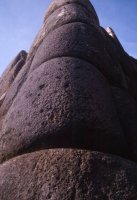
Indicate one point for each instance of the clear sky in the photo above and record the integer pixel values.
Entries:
(21, 20)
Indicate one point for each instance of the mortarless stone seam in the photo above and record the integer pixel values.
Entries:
(89, 11)
(28, 152)
(89, 25)
(35, 48)
(57, 29)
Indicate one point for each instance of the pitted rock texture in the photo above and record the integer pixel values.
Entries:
(59, 3)
(61, 13)
(76, 88)
(68, 175)
(78, 109)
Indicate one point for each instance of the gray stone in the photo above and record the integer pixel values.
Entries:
(65, 102)
(64, 174)
(73, 40)
(11, 72)
(68, 13)
(75, 90)
(58, 3)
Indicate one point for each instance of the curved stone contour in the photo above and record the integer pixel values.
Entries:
(67, 175)
(59, 3)
(76, 88)
(63, 14)
(9, 75)
(76, 112)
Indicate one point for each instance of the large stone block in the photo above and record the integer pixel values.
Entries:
(59, 3)
(66, 175)
(73, 40)
(65, 102)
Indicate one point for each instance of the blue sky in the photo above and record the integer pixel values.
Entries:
(21, 20)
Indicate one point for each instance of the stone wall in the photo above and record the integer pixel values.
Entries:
(68, 112)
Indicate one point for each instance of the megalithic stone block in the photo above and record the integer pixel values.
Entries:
(64, 174)
(59, 3)
(72, 110)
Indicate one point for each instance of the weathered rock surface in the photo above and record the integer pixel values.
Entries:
(59, 3)
(76, 89)
(61, 13)
(67, 175)
(76, 111)
(10, 74)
